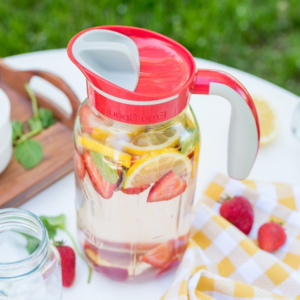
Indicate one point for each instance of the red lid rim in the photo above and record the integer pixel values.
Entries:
(153, 96)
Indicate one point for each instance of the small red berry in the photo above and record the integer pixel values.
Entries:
(271, 236)
(239, 212)
(67, 256)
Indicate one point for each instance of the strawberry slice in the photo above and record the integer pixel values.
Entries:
(79, 165)
(87, 119)
(135, 190)
(161, 256)
(167, 187)
(173, 263)
(102, 187)
(92, 254)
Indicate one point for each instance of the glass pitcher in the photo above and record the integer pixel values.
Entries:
(136, 152)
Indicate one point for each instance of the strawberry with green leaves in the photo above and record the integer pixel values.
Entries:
(53, 224)
(68, 262)
(239, 212)
(271, 236)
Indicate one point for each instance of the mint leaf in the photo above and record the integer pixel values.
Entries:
(17, 128)
(106, 169)
(35, 124)
(189, 139)
(29, 153)
(53, 223)
(58, 221)
(46, 117)
(32, 242)
(51, 233)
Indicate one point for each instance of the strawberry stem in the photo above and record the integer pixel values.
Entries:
(224, 198)
(79, 253)
(90, 274)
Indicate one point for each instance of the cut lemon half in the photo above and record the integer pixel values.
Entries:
(154, 165)
(146, 142)
(268, 120)
(122, 158)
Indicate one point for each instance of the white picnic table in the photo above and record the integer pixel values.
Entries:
(278, 161)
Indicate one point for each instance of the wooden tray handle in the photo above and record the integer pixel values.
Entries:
(16, 80)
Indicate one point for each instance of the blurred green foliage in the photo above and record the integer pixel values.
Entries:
(261, 37)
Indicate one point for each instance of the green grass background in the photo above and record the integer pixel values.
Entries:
(261, 37)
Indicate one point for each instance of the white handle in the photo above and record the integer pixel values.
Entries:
(244, 133)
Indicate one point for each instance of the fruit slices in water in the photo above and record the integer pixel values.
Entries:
(146, 142)
(93, 255)
(166, 255)
(167, 187)
(89, 143)
(162, 256)
(97, 128)
(157, 164)
(101, 186)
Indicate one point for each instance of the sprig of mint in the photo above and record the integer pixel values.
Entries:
(29, 152)
(107, 171)
(53, 224)
(17, 129)
(189, 140)
(35, 125)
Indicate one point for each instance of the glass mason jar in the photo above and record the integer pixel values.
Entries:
(137, 147)
(22, 276)
(135, 190)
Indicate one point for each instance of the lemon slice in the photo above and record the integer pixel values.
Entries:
(122, 158)
(154, 165)
(268, 120)
(101, 133)
(196, 160)
(146, 142)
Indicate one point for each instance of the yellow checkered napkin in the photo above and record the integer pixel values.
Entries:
(223, 263)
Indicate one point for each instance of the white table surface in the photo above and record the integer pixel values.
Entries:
(278, 161)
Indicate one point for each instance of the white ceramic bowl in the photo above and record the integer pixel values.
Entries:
(5, 131)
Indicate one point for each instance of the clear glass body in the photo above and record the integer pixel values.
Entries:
(135, 187)
(25, 276)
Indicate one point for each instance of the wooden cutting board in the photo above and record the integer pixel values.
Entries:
(17, 184)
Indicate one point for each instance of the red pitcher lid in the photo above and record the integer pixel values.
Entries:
(166, 72)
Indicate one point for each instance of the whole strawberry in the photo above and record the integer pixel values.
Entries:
(67, 256)
(239, 212)
(271, 236)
